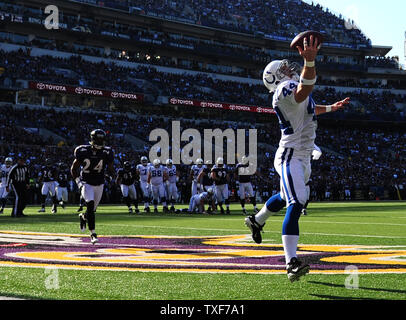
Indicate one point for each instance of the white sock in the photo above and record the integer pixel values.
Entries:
(92, 231)
(263, 215)
(290, 246)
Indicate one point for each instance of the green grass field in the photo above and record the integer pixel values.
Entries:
(355, 223)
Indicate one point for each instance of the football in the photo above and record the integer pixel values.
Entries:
(298, 40)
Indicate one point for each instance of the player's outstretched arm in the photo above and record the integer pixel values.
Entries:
(308, 76)
(320, 109)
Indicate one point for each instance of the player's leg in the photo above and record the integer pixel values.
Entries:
(226, 198)
(44, 194)
(52, 191)
(91, 217)
(65, 197)
(219, 197)
(132, 192)
(173, 195)
(242, 197)
(82, 202)
(146, 193)
(162, 197)
(294, 182)
(194, 188)
(251, 195)
(155, 197)
(3, 198)
(126, 198)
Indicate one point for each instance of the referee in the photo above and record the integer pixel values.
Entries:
(19, 181)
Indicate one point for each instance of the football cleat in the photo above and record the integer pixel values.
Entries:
(130, 210)
(147, 209)
(82, 221)
(41, 210)
(296, 269)
(221, 210)
(53, 210)
(244, 211)
(1, 210)
(172, 209)
(255, 228)
(62, 204)
(165, 209)
(137, 210)
(228, 211)
(156, 210)
(304, 212)
(80, 209)
(93, 238)
(256, 210)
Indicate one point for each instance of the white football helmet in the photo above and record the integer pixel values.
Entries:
(144, 160)
(169, 163)
(210, 191)
(220, 161)
(8, 162)
(199, 162)
(156, 163)
(278, 71)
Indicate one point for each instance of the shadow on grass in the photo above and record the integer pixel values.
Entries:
(12, 296)
(361, 288)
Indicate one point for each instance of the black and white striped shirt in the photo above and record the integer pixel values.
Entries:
(18, 174)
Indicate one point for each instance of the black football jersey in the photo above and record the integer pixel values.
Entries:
(48, 174)
(93, 162)
(62, 179)
(128, 178)
(207, 180)
(243, 178)
(221, 174)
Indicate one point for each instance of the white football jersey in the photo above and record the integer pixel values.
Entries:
(157, 175)
(143, 170)
(3, 175)
(171, 174)
(196, 170)
(297, 120)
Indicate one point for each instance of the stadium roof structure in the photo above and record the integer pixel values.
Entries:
(379, 50)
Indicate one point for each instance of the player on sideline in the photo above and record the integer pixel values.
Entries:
(126, 177)
(142, 170)
(4, 170)
(88, 170)
(194, 173)
(220, 177)
(48, 177)
(157, 175)
(62, 185)
(171, 188)
(245, 186)
(296, 111)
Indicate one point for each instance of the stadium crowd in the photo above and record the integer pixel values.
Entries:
(347, 163)
(273, 17)
(21, 65)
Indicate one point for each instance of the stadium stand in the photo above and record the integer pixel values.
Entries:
(161, 61)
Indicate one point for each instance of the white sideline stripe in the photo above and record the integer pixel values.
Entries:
(239, 230)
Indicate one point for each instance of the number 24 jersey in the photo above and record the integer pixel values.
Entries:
(94, 162)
